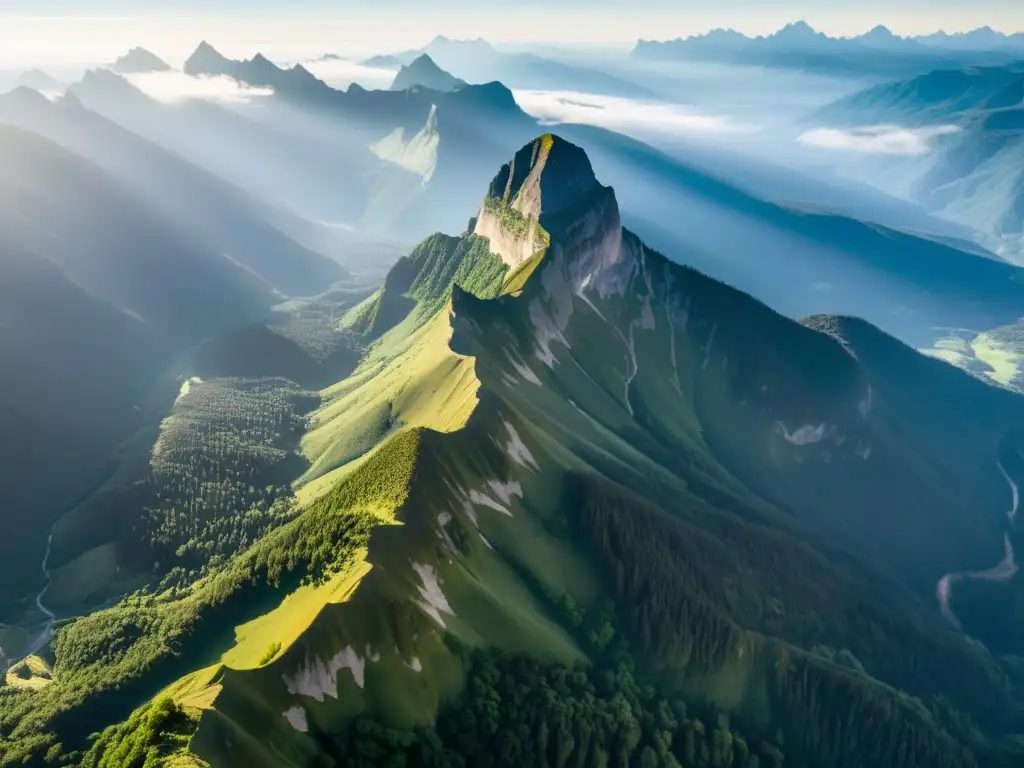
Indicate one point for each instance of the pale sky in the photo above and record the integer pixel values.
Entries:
(41, 32)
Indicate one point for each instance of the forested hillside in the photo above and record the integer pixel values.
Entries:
(575, 505)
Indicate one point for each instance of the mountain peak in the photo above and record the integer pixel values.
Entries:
(881, 36)
(880, 31)
(799, 27)
(24, 96)
(104, 80)
(40, 81)
(544, 177)
(442, 44)
(139, 60)
(205, 49)
(798, 32)
(206, 60)
(423, 61)
(424, 71)
(723, 33)
(547, 177)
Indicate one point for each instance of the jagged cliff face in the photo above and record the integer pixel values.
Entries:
(593, 269)
(523, 192)
(576, 372)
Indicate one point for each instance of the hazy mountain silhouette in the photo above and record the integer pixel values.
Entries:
(797, 45)
(981, 39)
(422, 71)
(38, 80)
(139, 60)
(224, 217)
(975, 175)
(272, 156)
(473, 123)
(477, 61)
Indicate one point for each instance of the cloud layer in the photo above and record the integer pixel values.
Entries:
(630, 116)
(878, 139)
(341, 73)
(177, 86)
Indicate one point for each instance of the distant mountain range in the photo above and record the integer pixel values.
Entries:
(955, 95)
(981, 39)
(976, 175)
(477, 61)
(101, 288)
(471, 123)
(197, 201)
(877, 52)
(438, 143)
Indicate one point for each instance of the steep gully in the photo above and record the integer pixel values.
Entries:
(1005, 570)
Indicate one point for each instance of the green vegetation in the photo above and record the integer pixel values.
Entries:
(90, 579)
(516, 711)
(213, 473)
(681, 593)
(446, 261)
(422, 282)
(151, 737)
(108, 660)
(516, 281)
(512, 220)
(997, 354)
(582, 524)
(32, 673)
(270, 653)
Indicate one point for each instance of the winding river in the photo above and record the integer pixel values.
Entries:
(47, 632)
(1005, 570)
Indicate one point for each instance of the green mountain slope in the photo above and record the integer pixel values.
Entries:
(578, 505)
(100, 290)
(564, 424)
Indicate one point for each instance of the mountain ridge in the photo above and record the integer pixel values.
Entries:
(798, 45)
(478, 61)
(507, 405)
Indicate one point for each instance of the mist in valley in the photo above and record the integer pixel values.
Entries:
(743, 308)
